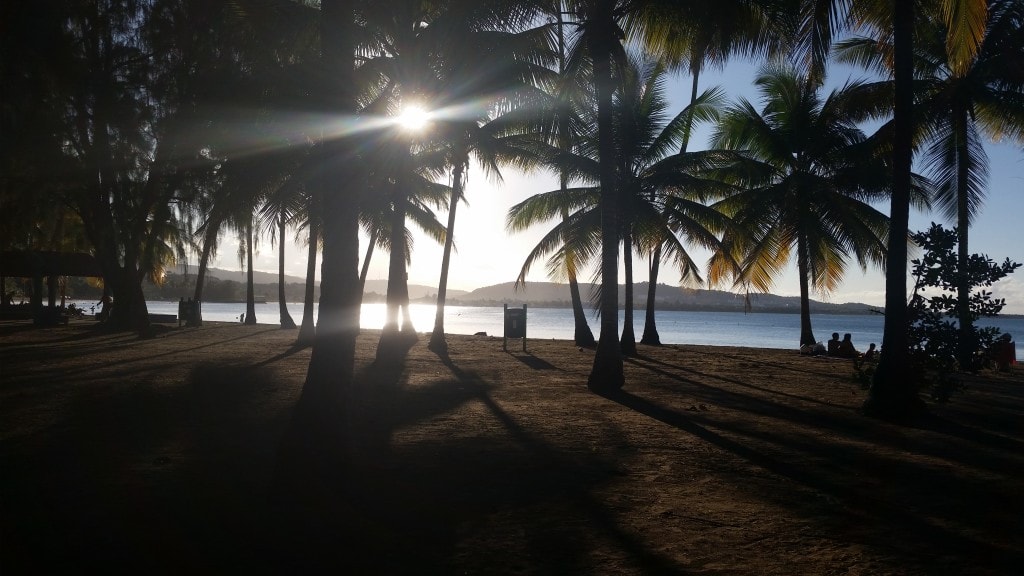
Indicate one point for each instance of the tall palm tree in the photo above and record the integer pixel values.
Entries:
(561, 125)
(959, 105)
(601, 39)
(487, 76)
(661, 197)
(806, 176)
(893, 393)
(332, 361)
(696, 35)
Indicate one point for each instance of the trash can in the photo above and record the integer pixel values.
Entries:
(515, 325)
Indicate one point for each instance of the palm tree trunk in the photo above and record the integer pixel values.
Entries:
(396, 265)
(582, 334)
(806, 334)
(286, 318)
(307, 331)
(250, 296)
(607, 375)
(204, 261)
(437, 341)
(893, 394)
(628, 342)
(322, 413)
(968, 339)
(394, 338)
(366, 260)
(650, 334)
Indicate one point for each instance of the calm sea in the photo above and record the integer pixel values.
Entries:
(761, 330)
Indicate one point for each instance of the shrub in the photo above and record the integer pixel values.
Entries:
(933, 332)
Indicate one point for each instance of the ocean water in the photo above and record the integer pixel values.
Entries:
(761, 329)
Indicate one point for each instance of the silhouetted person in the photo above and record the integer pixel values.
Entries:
(1004, 352)
(833, 345)
(871, 353)
(846, 349)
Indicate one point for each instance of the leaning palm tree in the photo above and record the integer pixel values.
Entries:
(806, 176)
(959, 106)
(482, 79)
(695, 35)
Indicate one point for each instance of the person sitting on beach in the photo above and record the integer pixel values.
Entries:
(833, 345)
(871, 353)
(1004, 352)
(846, 349)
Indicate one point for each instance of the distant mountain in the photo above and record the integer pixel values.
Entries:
(551, 294)
(556, 295)
(416, 291)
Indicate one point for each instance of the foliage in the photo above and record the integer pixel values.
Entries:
(933, 332)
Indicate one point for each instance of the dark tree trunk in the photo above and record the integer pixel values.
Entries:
(650, 335)
(806, 334)
(893, 393)
(250, 296)
(366, 260)
(437, 341)
(307, 331)
(204, 262)
(582, 334)
(628, 341)
(322, 410)
(607, 375)
(282, 300)
(968, 343)
(397, 333)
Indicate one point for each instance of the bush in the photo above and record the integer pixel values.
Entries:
(934, 332)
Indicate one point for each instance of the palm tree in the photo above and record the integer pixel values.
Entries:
(960, 105)
(697, 35)
(655, 177)
(660, 199)
(332, 361)
(561, 124)
(601, 40)
(893, 393)
(487, 77)
(806, 175)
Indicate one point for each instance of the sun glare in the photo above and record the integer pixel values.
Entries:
(413, 118)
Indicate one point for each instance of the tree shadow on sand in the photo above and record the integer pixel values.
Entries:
(860, 491)
(402, 500)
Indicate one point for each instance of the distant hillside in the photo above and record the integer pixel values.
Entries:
(551, 294)
(229, 285)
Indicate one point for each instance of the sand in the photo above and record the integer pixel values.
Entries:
(169, 455)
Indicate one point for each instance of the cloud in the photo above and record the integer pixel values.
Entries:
(1012, 290)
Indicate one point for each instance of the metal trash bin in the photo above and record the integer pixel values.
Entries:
(515, 325)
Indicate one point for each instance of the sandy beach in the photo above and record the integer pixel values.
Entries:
(169, 455)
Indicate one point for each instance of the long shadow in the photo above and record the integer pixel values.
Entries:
(857, 507)
(292, 350)
(445, 503)
(126, 474)
(851, 422)
(729, 380)
(532, 361)
(122, 365)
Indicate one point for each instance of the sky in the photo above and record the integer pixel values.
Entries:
(485, 254)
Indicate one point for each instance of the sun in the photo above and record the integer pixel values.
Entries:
(413, 118)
